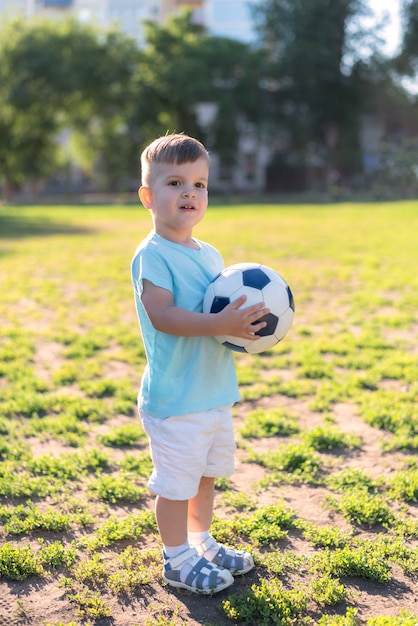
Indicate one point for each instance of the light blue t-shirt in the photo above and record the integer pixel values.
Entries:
(183, 374)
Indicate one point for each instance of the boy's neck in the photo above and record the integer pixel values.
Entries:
(186, 241)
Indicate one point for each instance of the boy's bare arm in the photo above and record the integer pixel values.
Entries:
(167, 318)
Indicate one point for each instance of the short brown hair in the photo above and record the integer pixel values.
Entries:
(176, 148)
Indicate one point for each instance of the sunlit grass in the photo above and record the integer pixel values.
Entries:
(74, 459)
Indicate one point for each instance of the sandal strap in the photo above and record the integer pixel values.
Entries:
(229, 558)
(175, 561)
(203, 570)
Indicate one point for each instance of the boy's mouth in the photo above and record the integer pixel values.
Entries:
(187, 207)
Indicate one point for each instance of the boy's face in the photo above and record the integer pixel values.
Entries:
(177, 196)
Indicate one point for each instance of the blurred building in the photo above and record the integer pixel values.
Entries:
(11, 7)
(230, 18)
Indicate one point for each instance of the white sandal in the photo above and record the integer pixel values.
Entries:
(203, 576)
(235, 561)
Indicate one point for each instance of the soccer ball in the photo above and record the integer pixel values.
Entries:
(260, 284)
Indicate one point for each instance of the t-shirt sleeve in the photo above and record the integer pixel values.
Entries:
(152, 267)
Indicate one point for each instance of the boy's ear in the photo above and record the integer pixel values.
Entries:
(145, 196)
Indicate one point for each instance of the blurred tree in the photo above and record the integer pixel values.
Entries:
(408, 59)
(173, 75)
(57, 75)
(28, 102)
(182, 67)
(234, 84)
(104, 105)
(313, 92)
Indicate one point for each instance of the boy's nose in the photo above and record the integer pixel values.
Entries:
(189, 193)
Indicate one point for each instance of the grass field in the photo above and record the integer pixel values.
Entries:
(326, 489)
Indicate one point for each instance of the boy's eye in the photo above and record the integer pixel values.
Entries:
(174, 183)
(200, 185)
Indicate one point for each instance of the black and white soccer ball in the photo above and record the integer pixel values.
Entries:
(260, 284)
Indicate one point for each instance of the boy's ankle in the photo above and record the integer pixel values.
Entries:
(196, 538)
(170, 552)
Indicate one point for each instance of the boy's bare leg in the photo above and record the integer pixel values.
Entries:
(172, 520)
(176, 517)
(199, 523)
(201, 506)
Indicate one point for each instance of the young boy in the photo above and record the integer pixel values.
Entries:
(189, 384)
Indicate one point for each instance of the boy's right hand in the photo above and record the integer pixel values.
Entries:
(243, 322)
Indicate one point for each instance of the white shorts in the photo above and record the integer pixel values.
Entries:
(186, 447)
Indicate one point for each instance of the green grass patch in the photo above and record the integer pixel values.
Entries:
(361, 507)
(330, 437)
(268, 524)
(266, 603)
(293, 462)
(271, 423)
(127, 435)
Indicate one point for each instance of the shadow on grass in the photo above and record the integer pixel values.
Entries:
(20, 226)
